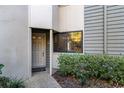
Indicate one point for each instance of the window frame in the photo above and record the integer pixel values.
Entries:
(82, 41)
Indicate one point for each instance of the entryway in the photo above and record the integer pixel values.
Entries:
(40, 49)
(41, 80)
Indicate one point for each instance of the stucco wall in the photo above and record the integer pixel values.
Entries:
(55, 17)
(14, 41)
(71, 18)
(55, 61)
(40, 16)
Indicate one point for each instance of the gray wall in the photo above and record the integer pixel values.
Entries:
(14, 41)
(115, 29)
(96, 19)
(93, 27)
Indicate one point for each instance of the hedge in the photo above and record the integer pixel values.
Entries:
(84, 67)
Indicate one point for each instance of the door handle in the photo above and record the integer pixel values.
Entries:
(43, 53)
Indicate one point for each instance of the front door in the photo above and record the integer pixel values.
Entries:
(38, 50)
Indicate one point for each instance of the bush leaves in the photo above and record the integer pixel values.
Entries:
(1, 66)
(86, 66)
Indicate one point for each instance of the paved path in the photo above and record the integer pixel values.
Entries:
(41, 80)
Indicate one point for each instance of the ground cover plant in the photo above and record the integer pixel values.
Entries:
(6, 82)
(86, 67)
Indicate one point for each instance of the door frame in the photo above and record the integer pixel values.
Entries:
(30, 50)
(44, 50)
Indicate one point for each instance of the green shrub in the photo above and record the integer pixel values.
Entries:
(1, 66)
(85, 66)
(4, 81)
(68, 63)
(9, 83)
(16, 84)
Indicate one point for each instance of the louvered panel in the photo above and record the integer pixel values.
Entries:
(115, 53)
(93, 52)
(97, 31)
(121, 37)
(116, 22)
(93, 11)
(116, 34)
(94, 14)
(115, 18)
(92, 7)
(116, 14)
(94, 18)
(115, 41)
(93, 49)
(93, 26)
(94, 29)
(114, 7)
(113, 11)
(93, 38)
(93, 42)
(115, 29)
(93, 21)
(116, 50)
(114, 45)
(94, 35)
(94, 46)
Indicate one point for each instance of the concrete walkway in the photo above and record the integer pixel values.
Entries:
(41, 80)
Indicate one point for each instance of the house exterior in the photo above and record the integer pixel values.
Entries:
(32, 37)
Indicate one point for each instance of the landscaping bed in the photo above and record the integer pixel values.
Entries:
(72, 82)
(77, 70)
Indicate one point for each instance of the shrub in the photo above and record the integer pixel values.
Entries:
(85, 66)
(1, 66)
(67, 63)
(6, 82)
(16, 84)
(9, 83)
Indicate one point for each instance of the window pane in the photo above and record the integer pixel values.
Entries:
(68, 42)
(60, 43)
(74, 42)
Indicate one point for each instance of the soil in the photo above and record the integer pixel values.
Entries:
(72, 82)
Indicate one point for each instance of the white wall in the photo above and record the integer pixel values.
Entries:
(55, 17)
(40, 16)
(71, 18)
(14, 41)
(55, 61)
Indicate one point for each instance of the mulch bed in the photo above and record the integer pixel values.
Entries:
(72, 82)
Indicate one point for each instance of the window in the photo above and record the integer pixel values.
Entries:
(68, 42)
